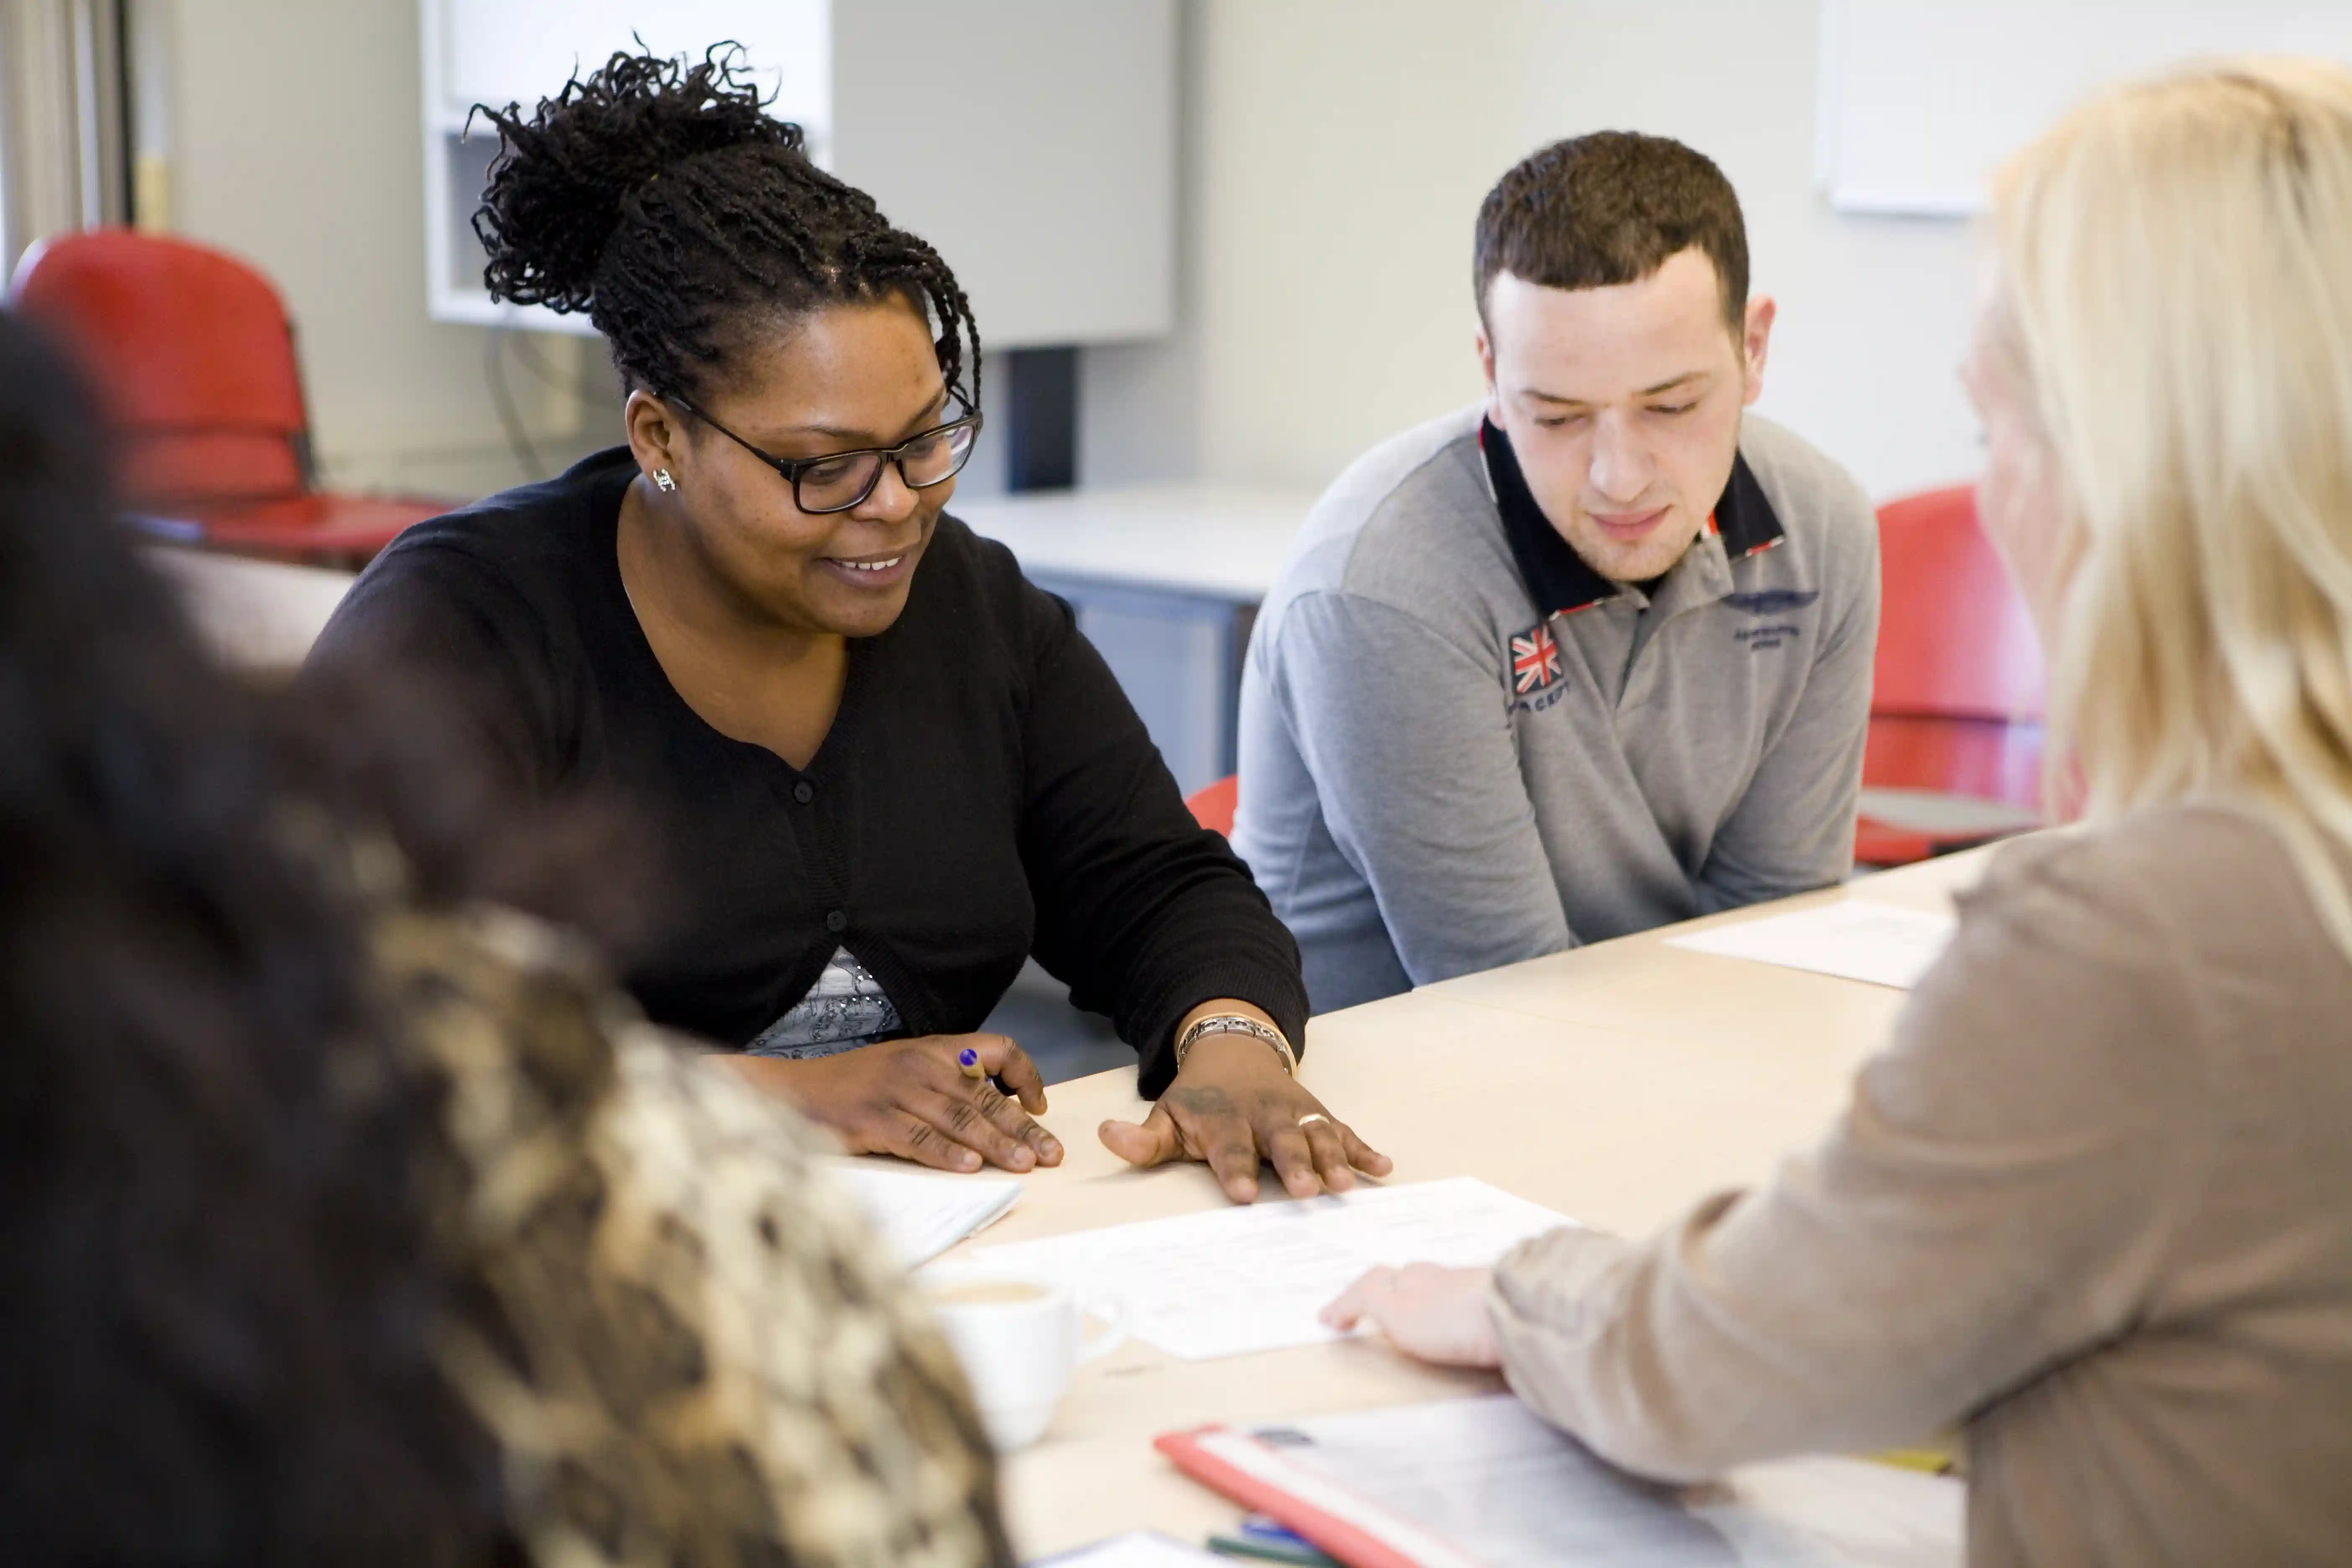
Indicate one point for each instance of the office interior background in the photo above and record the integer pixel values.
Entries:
(1328, 156)
(1218, 248)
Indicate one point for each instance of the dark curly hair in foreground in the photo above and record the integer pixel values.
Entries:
(215, 1292)
(658, 197)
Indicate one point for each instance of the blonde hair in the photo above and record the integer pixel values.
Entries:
(2176, 269)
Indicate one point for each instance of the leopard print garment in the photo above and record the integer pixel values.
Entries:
(688, 1345)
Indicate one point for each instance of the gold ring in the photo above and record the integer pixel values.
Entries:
(1314, 1116)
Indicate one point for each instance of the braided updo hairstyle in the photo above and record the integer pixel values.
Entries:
(658, 197)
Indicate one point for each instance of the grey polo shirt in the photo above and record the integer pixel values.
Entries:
(1462, 747)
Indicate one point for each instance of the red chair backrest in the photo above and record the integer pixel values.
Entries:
(193, 354)
(1214, 805)
(1956, 697)
(1954, 638)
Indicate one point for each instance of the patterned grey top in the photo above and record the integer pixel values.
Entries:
(845, 1009)
(687, 1342)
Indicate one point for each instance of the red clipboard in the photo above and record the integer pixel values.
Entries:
(1344, 1523)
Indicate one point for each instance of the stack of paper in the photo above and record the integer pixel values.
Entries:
(920, 1216)
(1235, 1280)
(1885, 945)
(1481, 1483)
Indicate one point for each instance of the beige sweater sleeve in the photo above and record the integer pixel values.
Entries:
(1998, 1196)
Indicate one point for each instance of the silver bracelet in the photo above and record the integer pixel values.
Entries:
(1237, 1024)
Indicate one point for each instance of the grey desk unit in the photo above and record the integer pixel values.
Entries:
(1166, 580)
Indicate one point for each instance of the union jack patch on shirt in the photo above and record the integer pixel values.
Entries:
(1534, 658)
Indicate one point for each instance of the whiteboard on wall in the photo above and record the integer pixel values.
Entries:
(1920, 100)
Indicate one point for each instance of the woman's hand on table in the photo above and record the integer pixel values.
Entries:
(1430, 1313)
(913, 1098)
(1233, 1105)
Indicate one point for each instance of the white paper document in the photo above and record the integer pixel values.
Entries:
(1885, 945)
(920, 1216)
(1139, 1549)
(1490, 1484)
(1235, 1280)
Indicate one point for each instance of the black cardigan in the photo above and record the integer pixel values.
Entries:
(986, 792)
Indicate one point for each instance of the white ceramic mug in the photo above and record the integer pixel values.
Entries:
(1019, 1337)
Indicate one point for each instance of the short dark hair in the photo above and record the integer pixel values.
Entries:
(1597, 211)
(659, 197)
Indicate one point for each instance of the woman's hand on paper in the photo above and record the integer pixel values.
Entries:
(911, 1099)
(1430, 1313)
(1233, 1105)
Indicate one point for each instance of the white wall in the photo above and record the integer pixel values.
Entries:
(1337, 153)
(294, 143)
(1334, 152)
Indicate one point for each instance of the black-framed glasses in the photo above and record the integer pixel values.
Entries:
(839, 481)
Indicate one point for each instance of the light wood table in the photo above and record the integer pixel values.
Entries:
(254, 615)
(1643, 984)
(1618, 1084)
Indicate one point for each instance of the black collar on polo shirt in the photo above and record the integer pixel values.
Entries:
(1558, 578)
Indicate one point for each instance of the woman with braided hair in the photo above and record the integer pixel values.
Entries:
(880, 768)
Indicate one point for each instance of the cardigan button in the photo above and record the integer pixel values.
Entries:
(804, 792)
(836, 923)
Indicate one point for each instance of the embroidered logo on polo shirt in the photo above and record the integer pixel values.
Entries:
(1765, 633)
(1772, 601)
(1534, 658)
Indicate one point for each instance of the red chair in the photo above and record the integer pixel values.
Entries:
(1954, 752)
(1214, 806)
(194, 355)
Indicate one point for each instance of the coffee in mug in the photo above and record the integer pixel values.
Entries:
(987, 1292)
(1019, 1339)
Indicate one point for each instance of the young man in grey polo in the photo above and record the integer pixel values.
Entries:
(1592, 658)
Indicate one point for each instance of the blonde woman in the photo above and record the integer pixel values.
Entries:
(2094, 1201)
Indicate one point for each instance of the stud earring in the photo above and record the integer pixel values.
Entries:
(663, 482)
